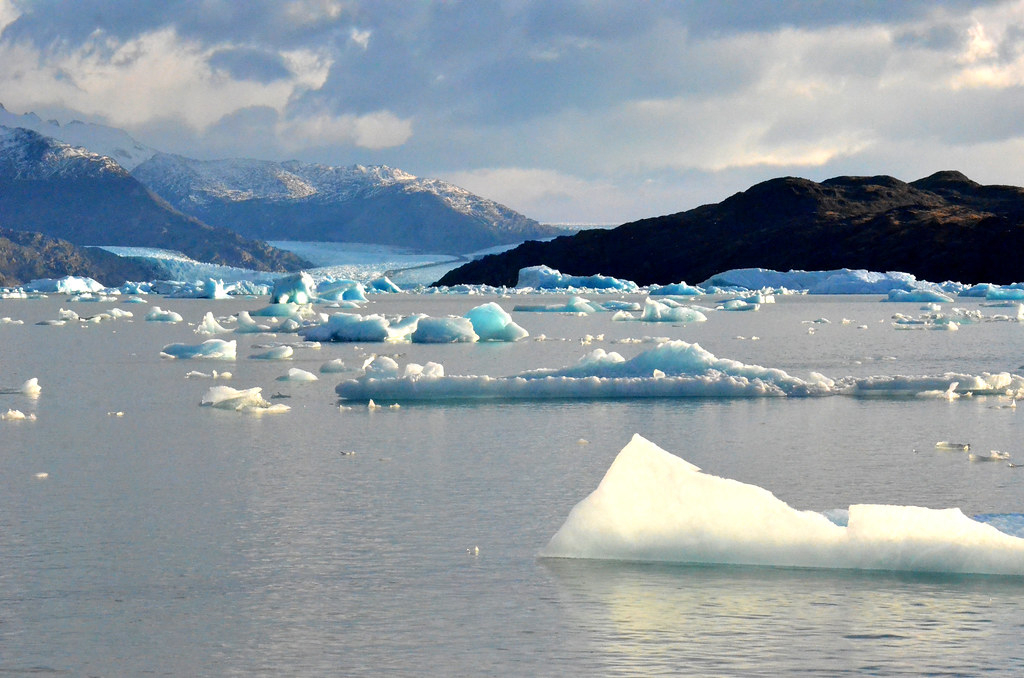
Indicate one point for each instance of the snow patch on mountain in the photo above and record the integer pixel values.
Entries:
(100, 139)
(27, 155)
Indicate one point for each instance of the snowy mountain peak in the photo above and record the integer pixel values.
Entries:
(27, 154)
(109, 141)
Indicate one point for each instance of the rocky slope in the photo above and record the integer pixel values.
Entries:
(26, 256)
(70, 193)
(943, 227)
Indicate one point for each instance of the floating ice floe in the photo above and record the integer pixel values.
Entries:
(918, 296)
(214, 374)
(680, 289)
(492, 323)
(66, 285)
(383, 284)
(298, 375)
(666, 311)
(546, 278)
(574, 305)
(333, 366)
(341, 290)
(157, 314)
(451, 330)
(993, 455)
(956, 447)
(29, 388)
(654, 506)
(246, 325)
(240, 400)
(283, 352)
(296, 288)
(17, 415)
(839, 281)
(210, 325)
(671, 369)
(211, 349)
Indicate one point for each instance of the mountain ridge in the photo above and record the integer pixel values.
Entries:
(944, 226)
(65, 192)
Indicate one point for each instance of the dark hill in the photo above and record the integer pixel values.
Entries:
(942, 227)
(26, 256)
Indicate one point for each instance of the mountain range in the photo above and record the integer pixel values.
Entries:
(304, 201)
(277, 200)
(942, 227)
(69, 193)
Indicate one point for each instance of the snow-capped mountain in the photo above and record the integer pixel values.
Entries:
(50, 187)
(108, 141)
(305, 201)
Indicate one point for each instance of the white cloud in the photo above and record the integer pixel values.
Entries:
(360, 38)
(8, 13)
(381, 129)
(547, 194)
(309, 12)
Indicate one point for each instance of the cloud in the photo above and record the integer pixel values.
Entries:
(380, 129)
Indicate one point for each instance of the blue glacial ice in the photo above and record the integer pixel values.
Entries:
(487, 322)
(492, 323)
(654, 506)
(546, 278)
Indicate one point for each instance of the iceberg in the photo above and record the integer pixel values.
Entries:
(66, 285)
(210, 325)
(341, 290)
(240, 400)
(546, 278)
(298, 375)
(670, 369)
(573, 305)
(283, 352)
(211, 349)
(157, 314)
(296, 288)
(838, 281)
(492, 323)
(350, 327)
(654, 506)
(666, 311)
(918, 296)
(452, 330)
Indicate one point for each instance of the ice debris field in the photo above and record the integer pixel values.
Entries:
(651, 505)
(654, 506)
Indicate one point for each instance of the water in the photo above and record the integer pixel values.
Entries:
(182, 540)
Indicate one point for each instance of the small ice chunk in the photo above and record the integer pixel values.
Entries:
(157, 314)
(211, 349)
(335, 365)
(284, 352)
(956, 447)
(298, 375)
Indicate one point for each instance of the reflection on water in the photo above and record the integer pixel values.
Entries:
(724, 620)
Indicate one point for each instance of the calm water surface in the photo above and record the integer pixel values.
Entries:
(179, 540)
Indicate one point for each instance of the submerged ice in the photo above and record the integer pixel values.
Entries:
(654, 506)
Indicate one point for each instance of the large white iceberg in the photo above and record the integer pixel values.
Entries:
(297, 288)
(240, 400)
(654, 506)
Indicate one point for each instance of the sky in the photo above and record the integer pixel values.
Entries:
(569, 111)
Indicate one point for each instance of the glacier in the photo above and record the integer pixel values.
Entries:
(654, 506)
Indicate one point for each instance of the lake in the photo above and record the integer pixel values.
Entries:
(173, 539)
